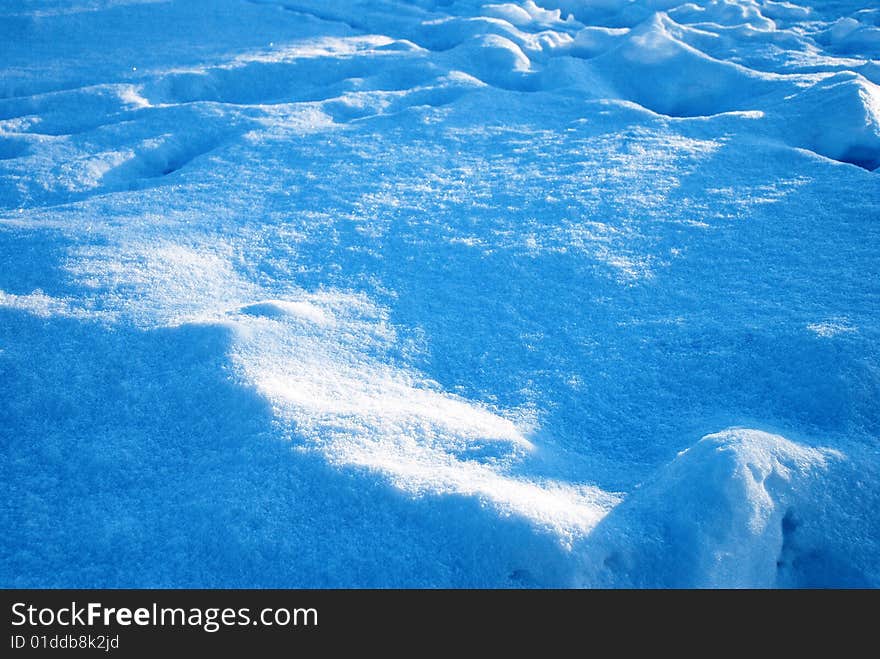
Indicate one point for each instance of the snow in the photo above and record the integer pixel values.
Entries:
(738, 509)
(521, 294)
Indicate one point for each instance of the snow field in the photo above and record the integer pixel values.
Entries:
(439, 293)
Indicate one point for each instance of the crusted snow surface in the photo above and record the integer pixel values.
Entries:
(440, 293)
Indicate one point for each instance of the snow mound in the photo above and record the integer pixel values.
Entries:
(287, 309)
(857, 34)
(729, 13)
(741, 508)
(663, 73)
(526, 13)
(838, 117)
(494, 59)
(592, 41)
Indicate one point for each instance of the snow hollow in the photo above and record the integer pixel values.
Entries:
(440, 293)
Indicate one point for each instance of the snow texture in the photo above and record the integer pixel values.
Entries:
(370, 293)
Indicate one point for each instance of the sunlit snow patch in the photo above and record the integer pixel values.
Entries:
(331, 365)
(324, 362)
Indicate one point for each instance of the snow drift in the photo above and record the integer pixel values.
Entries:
(741, 508)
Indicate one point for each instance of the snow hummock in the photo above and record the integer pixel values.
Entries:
(723, 514)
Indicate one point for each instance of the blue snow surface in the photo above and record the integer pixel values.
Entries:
(440, 293)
